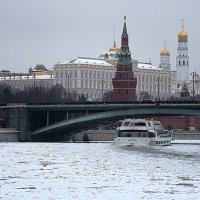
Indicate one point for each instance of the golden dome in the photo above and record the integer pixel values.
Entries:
(165, 52)
(114, 48)
(183, 35)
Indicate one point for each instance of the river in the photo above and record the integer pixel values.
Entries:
(100, 171)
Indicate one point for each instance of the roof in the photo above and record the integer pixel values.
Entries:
(110, 55)
(38, 77)
(148, 66)
(85, 60)
(40, 67)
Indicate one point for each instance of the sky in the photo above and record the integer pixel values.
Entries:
(51, 31)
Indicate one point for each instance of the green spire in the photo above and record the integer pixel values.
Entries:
(124, 28)
(184, 88)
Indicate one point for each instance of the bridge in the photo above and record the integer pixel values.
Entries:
(53, 122)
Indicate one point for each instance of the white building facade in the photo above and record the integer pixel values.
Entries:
(154, 80)
(22, 82)
(89, 76)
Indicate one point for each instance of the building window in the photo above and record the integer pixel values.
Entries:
(90, 74)
(90, 86)
(82, 72)
(86, 74)
(143, 78)
(102, 75)
(75, 73)
(179, 62)
(139, 77)
(86, 84)
(66, 74)
(183, 62)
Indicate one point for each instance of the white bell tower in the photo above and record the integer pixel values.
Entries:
(165, 58)
(182, 59)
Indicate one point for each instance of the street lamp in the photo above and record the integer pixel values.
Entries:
(102, 90)
(158, 79)
(68, 86)
(193, 92)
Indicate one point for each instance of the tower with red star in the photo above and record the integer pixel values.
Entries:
(124, 82)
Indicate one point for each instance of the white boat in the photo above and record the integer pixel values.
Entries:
(142, 132)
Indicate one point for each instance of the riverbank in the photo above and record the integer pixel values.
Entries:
(11, 135)
(109, 135)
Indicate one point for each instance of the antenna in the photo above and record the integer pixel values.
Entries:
(182, 24)
(114, 37)
(165, 45)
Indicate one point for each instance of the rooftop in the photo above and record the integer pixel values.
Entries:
(37, 77)
(85, 61)
(148, 66)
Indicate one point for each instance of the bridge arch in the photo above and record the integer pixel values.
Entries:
(75, 125)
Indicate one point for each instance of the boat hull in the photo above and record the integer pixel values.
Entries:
(138, 141)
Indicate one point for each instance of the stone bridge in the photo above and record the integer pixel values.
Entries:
(55, 122)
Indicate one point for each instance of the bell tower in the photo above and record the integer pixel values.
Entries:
(124, 82)
(182, 59)
(165, 58)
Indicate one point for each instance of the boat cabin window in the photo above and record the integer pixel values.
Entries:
(140, 124)
(151, 134)
(157, 126)
(126, 123)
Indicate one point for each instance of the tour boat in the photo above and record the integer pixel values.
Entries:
(142, 132)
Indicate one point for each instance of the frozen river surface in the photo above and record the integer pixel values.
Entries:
(98, 171)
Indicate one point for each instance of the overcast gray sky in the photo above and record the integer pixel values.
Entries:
(50, 31)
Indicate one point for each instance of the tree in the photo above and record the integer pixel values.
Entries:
(82, 98)
(107, 96)
(5, 93)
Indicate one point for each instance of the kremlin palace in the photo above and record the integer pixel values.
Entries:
(111, 71)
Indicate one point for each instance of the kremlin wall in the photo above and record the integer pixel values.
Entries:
(116, 71)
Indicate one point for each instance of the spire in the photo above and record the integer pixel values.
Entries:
(114, 38)
(182, 24)
(124, 28)
(165, 45)
(125, 55)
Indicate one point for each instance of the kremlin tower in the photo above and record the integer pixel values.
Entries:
(165, 58)
(124, 83)
(182, 59)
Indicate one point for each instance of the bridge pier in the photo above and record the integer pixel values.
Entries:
(17, 117)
